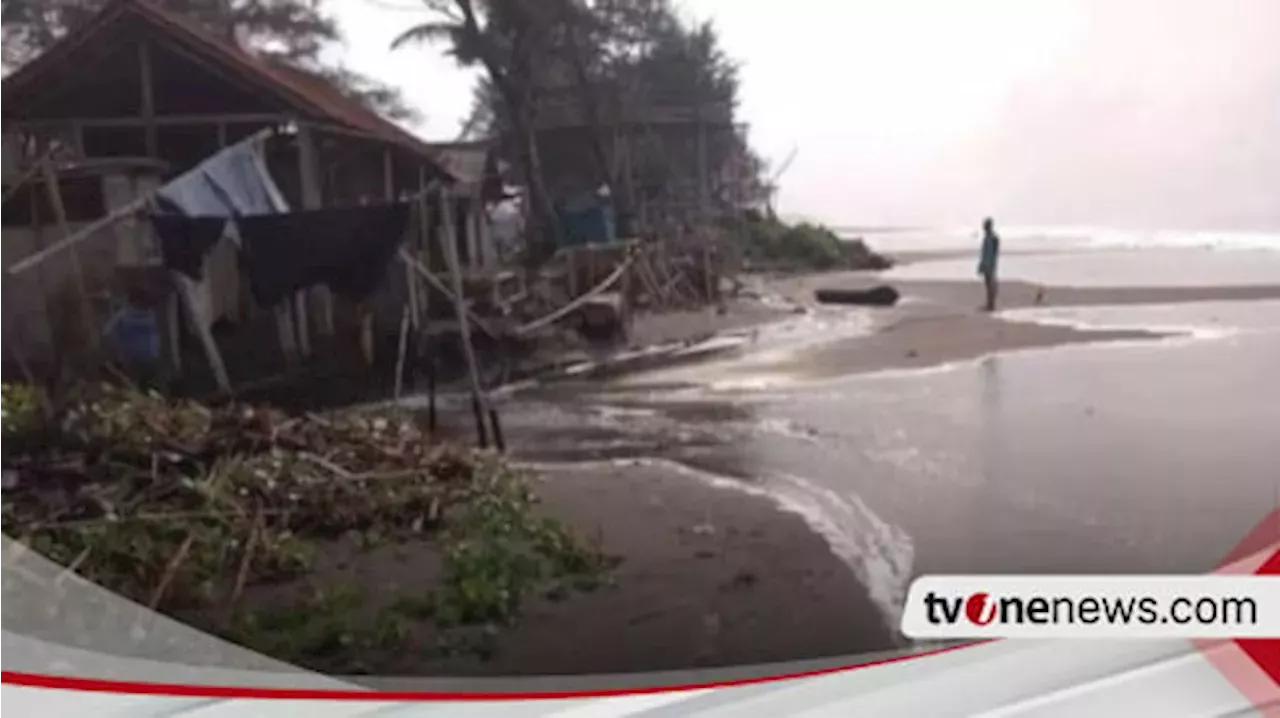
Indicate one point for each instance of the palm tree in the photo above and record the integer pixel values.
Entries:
(509, 38)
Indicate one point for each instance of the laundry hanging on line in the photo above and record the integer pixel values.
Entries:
(190, 212)
(346, 249)
(232, 183)
(186, 241)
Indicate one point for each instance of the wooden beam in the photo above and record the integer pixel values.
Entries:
(148, 98)
(388, 176)
(77, 138)
(309, 175)
(246, 118)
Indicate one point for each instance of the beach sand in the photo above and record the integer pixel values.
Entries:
(716, 577)
(710, 577)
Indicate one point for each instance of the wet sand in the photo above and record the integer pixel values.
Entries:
(715, 576)
(711, 578)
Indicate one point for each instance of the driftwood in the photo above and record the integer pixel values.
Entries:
(881, 296)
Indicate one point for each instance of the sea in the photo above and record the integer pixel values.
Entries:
(1150, 456)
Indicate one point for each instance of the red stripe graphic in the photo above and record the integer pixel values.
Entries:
(97, 685)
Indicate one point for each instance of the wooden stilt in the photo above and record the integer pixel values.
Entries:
(404, 341)
(498, 442)
(366, 335)
(707, 280)
(309, 174)
(201, 327)
(423, 254)
(285, 331)
(431, 394)
(301, 323)
(172, 308)
(449, 239)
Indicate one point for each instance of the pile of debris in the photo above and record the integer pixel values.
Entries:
(183, 507)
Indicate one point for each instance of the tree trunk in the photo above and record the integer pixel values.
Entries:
(542, 233)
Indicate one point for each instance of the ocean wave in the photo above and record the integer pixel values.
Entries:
(1025, 238)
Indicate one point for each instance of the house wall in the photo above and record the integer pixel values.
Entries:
(37, 303)
(36, 311)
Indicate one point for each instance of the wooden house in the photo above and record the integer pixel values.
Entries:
(136, 96)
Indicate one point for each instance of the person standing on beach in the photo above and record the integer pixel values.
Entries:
(987, 262)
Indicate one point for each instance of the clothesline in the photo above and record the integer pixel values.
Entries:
(111, 218)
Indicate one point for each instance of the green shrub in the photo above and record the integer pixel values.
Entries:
(769, 242)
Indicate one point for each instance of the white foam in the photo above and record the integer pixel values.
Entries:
(1072, 317)
(1078, 238)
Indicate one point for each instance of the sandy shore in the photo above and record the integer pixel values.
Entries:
(938, 322)
(714, 577)
(711, 577)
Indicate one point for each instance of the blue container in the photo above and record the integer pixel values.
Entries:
(594, 225)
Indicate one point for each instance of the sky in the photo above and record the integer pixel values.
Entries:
(1144, 114)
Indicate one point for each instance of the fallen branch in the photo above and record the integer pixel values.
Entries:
(325, 463)
(242, 574)
(170, 571)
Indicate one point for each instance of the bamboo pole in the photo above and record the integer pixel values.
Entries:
(424, 246)
(77, 271)
(404, 337)
(308, 173)
(449, 239)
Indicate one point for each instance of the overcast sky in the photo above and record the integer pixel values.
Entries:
(1138, 113)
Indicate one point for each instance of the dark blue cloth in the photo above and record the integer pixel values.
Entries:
(186, 241)
(346, 249)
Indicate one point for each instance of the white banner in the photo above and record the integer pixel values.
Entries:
(1216, 606)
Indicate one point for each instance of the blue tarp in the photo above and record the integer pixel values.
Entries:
(592, 225)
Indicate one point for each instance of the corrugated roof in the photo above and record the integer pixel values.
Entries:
(307, 93)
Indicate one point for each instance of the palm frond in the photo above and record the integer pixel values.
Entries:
(426, 32)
